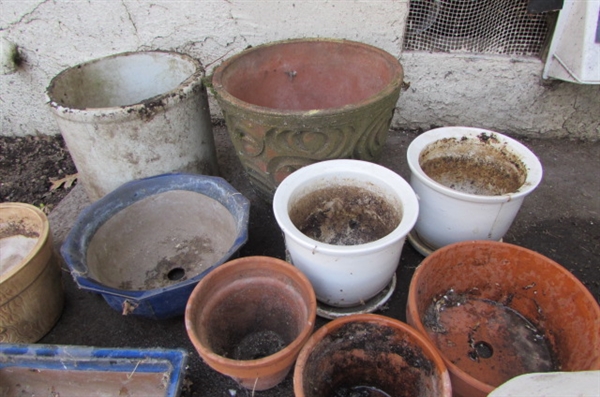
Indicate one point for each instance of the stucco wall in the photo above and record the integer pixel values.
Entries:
(498, 93)
(503, 94)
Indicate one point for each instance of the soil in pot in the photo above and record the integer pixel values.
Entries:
(161, 240)
(249, 318)
(473, 167)
(344, 215)
(251, 322)
(258, 344)
(487, 339)
(374, 340)
(364, 359)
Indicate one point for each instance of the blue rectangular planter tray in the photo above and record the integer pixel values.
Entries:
(52, 370)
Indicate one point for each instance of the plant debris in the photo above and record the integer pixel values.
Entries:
(29, 168)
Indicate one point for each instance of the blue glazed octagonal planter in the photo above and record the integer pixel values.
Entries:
(146, 245)
(76, 370)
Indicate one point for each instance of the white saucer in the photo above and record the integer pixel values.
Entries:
(332, 312)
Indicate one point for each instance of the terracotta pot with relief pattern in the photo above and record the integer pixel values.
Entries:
(291, 103)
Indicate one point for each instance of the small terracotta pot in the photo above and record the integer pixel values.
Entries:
(291, 103)
(372, 355)
(496, 310)
(249, 318)
(31, 291)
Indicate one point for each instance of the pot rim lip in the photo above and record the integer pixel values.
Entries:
(323, 169)
(394, 84)
(423, 342)
(44, 234)
(289, 350)
(74, 248)
(534, 167)
(411, 305)
(166, 99)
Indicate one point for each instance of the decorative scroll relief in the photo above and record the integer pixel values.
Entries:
(269, 153)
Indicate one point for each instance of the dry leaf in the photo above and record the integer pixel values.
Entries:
(65, 182)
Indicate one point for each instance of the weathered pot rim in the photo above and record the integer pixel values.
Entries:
(44, 232)
(220, 91)
(412, 299)
(74, 247)
(385, 176)
(251, 262)
(162, 101)
(333, 325)
(534, 167)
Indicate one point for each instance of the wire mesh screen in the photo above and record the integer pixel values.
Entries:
(475, 26)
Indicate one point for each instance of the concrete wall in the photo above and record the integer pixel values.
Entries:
(500, 93)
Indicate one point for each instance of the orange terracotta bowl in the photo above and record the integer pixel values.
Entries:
(249, 318)
(497, 310)
(369, 355)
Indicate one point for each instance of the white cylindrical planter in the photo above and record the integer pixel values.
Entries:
(470, 183)
(346, 275)
(134, 115)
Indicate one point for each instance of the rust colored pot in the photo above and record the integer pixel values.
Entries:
(291, 103)
(31, 290)
(497, 310)
(368, 354)
(249, 318)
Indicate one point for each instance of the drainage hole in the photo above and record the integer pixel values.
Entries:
(484, 349)
(176, 274)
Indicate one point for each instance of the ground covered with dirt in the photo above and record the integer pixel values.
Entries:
(36, 170)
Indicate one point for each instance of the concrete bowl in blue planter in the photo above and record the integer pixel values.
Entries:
(146, 245)
(54, 370)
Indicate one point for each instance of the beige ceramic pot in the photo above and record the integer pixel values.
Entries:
(292, 103)
(369, 355)
(496, 311)
(249, 318)
(31, 291)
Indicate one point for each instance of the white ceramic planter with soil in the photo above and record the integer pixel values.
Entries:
(470, 183)
(345, 223)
